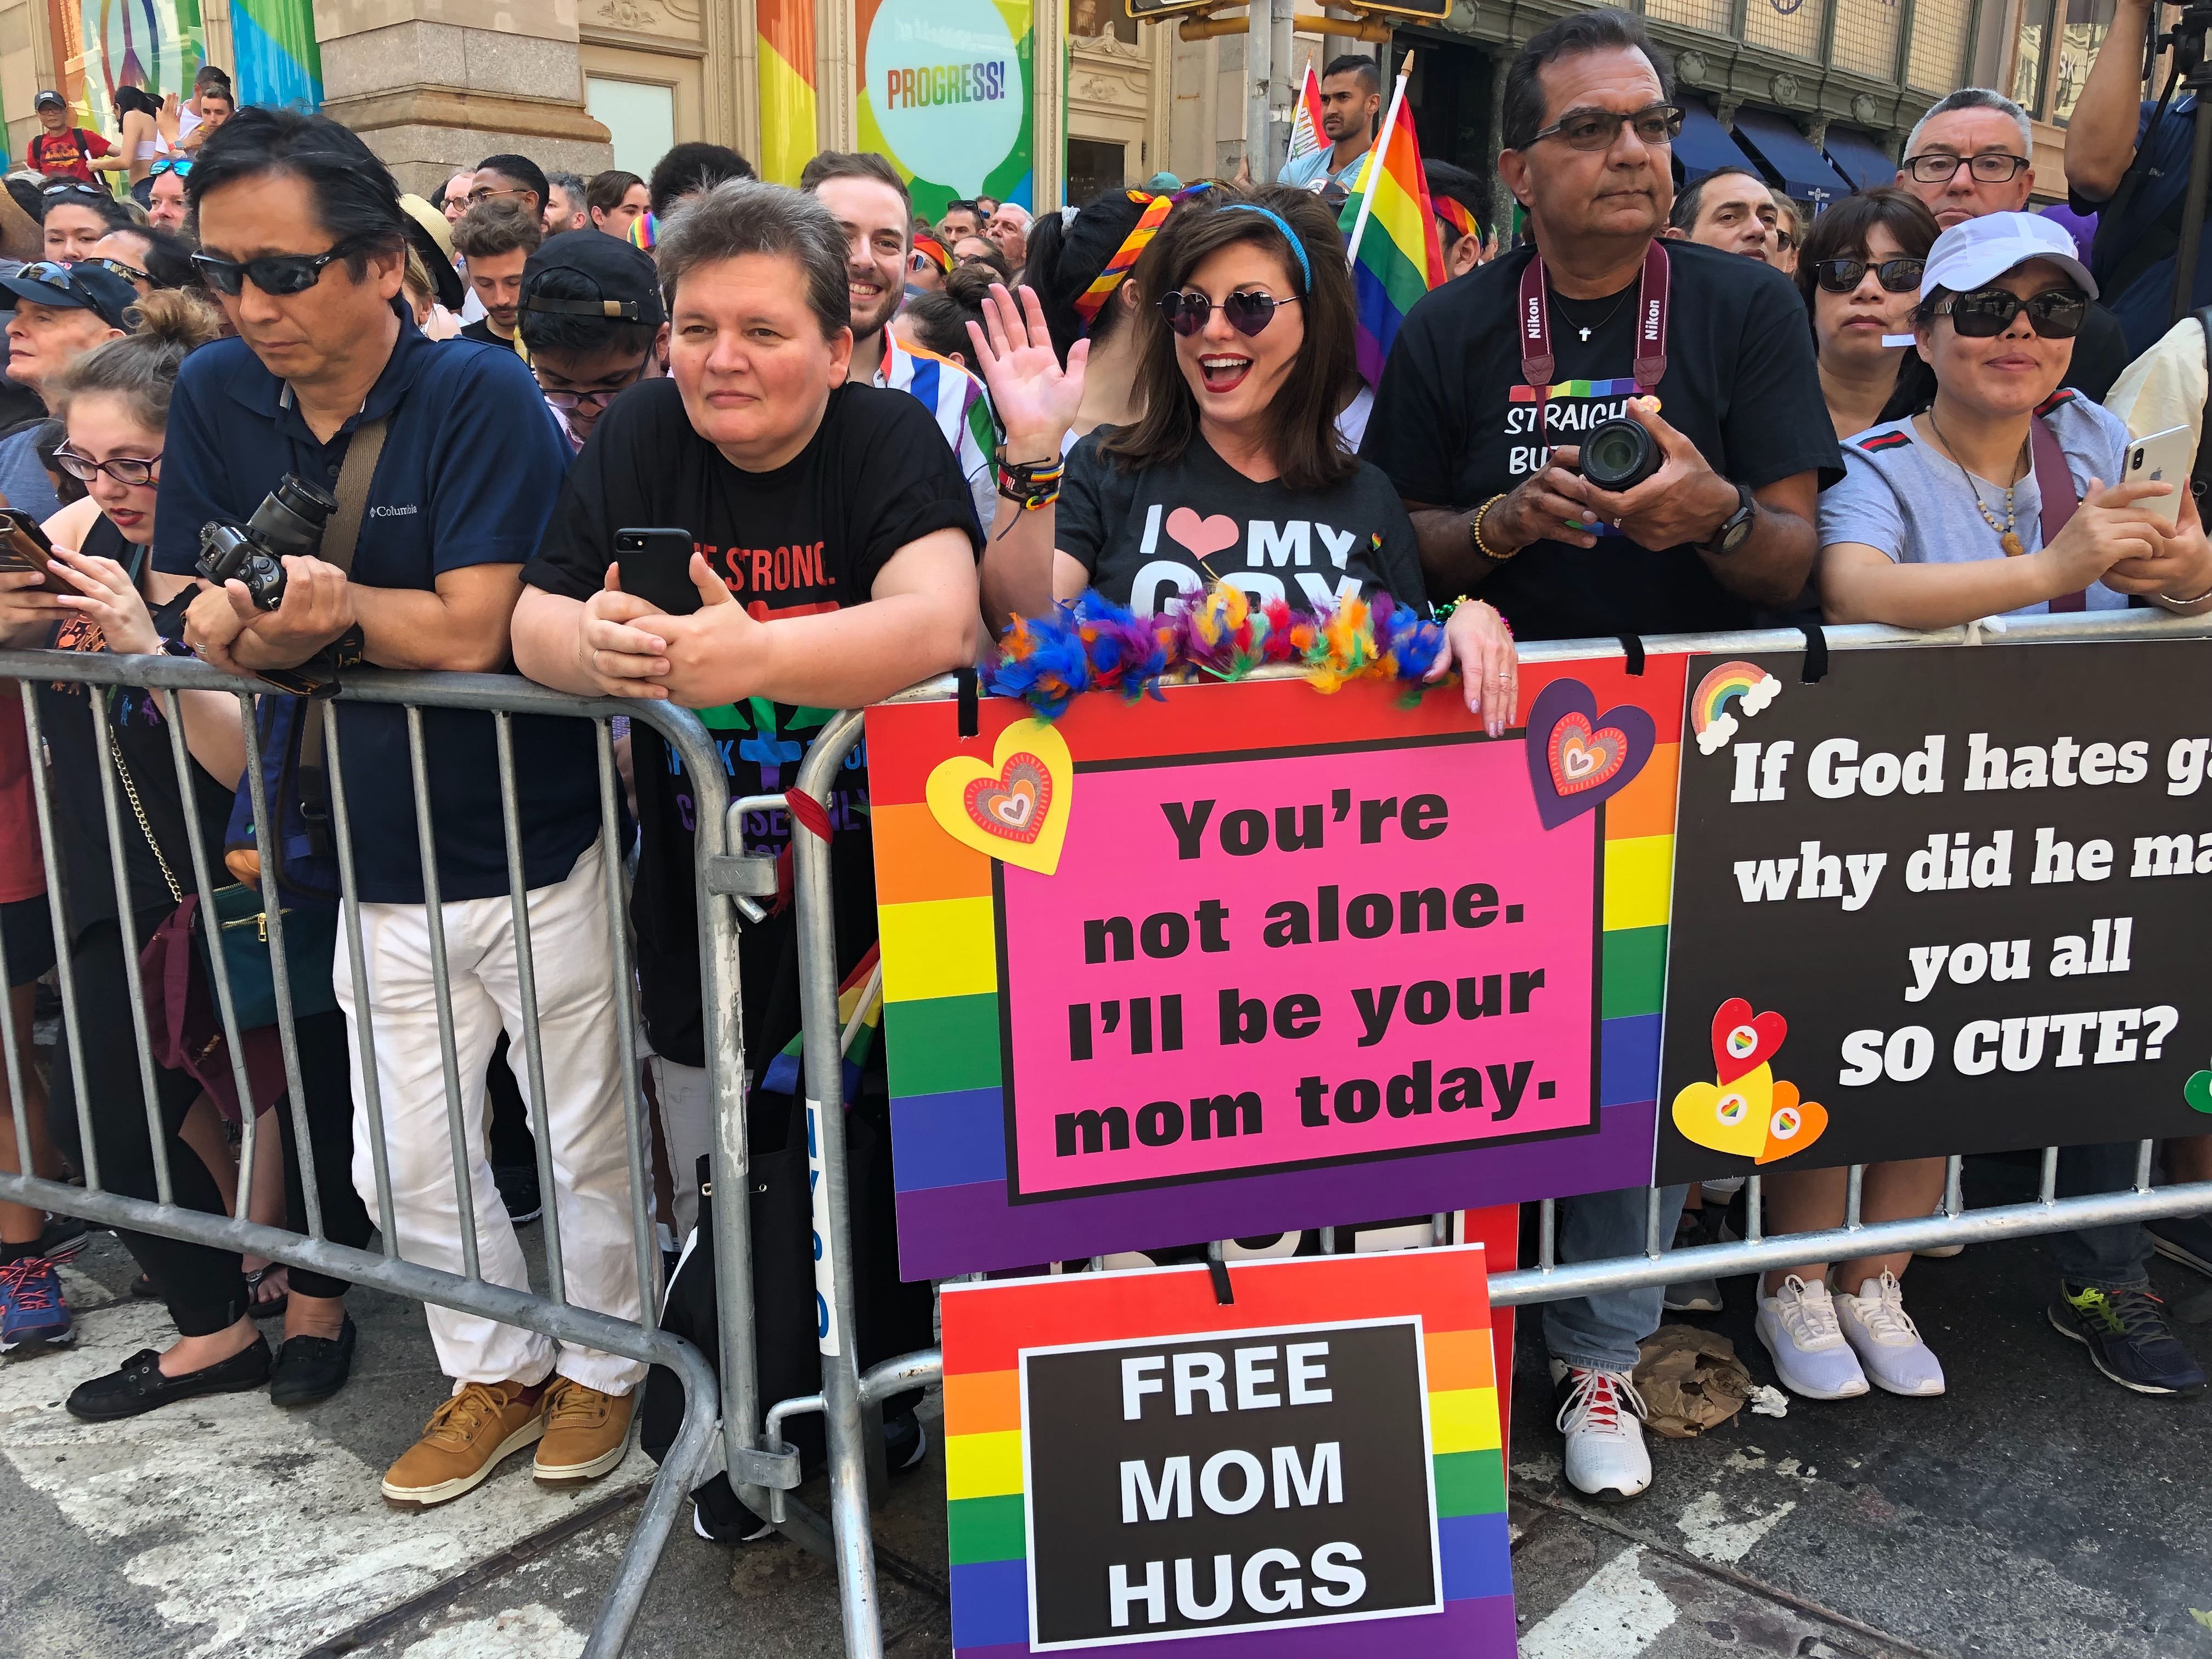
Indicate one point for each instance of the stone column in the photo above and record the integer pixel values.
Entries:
(435, 85)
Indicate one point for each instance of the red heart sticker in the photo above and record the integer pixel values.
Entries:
(1582, 759)
(1743, 1041)
(1013, 805)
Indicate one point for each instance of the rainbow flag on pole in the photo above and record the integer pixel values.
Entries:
(1394, 249)
(1306, 136)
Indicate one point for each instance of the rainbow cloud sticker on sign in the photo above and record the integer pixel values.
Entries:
(1747, 685)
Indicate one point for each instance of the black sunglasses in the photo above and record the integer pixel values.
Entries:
(276, 274)
(128, 273)
(1597, 128)
(1248, 313)
(1898, 276)
(2055, 314)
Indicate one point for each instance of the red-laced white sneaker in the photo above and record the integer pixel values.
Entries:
(1602, 1414)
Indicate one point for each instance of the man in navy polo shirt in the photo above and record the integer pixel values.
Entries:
(302, 239)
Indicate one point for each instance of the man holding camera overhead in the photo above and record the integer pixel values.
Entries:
(1492, 409)
(445, 456)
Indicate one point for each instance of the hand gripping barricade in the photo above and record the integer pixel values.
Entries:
(849, 1393)
(698, 1450)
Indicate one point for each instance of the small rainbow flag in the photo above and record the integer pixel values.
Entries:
(861, 994)
(1306, 136)
(1395, 252)
(644, 232)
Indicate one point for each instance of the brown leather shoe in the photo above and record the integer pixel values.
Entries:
(587, 1432)
(464, 1441)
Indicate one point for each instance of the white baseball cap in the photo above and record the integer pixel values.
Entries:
(1975, 251)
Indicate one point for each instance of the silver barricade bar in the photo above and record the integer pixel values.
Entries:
(846, 1391)
(698, 1450)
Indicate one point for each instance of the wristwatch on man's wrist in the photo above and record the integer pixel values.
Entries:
(1735, 527)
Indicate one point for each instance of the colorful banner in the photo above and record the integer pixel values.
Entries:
(153, 44)
(1131, 1461)
(787, 107)
(1248, 958)
(945, 92)
(1945, 901)
(1306, 136)
(275, 58)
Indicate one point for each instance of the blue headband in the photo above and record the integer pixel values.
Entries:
(1305, 265)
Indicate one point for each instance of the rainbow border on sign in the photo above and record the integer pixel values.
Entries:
(987, 1326)
(944, 1044)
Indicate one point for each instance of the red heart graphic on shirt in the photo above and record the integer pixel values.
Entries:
(1202, 536)
(1582, 759)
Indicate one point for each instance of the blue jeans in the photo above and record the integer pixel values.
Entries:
(1604, 1332)
(2114, 1257)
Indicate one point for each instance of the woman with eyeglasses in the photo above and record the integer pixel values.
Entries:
(115, 401)
(1244, 358)
(1860, 276)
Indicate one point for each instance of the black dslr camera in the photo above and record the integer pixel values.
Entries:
(1619, 454)
(289, 521)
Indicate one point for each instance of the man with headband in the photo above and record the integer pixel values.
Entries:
(1480, 418)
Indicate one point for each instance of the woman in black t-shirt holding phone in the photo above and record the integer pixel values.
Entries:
(1234, 470)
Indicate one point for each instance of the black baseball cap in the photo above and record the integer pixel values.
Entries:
(623, 277)
(87, 285)
(49, 100)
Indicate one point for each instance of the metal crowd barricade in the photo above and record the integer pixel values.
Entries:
(698, 1451)
(847, 1393)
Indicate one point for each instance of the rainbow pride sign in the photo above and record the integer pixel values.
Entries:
(1310, 1469)
(1247, 958)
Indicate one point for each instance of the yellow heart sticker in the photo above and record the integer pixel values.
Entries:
(1730, 1118)
(1014, 806)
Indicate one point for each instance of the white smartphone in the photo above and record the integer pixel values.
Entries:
(2163, 458)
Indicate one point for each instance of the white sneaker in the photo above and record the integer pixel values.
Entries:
(1886, 1340)
(1601, 1418)
(1798, 1326)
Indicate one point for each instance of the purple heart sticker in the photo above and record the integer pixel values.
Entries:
(1577, 757)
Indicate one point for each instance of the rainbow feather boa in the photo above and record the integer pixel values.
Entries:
(1091, 644)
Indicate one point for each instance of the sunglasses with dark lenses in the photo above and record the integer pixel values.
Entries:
(1248, 313)
(276, 274)
(2055, 314)
(1899, 275)
(1597, 128)
(128, 273)
(123, 468)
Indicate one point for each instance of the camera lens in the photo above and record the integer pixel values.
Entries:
(1618, 454)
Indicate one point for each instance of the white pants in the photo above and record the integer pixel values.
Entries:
(687, 1124)
(580, 1122)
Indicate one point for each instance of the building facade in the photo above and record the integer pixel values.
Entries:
(1819, 94)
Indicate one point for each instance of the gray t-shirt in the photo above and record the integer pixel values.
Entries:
(23, 481)
(1148, 534)
(1899, 496)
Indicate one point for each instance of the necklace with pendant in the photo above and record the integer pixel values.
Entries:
(2008, 538)
(1621, 299)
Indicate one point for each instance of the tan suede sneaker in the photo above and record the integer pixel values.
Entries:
(464, 1441)
(587, 1432)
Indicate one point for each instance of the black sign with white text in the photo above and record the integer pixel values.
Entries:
(1949, 900)
(1188, 1486)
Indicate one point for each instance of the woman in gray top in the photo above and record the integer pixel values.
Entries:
(1939, 519)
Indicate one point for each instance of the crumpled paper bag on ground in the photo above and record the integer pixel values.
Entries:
(1691, 1381)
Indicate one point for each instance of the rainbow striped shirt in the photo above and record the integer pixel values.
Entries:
(962, 409)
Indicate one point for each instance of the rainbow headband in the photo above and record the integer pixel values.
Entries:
(934, 251)
(1157, 209)
(1455, 215)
